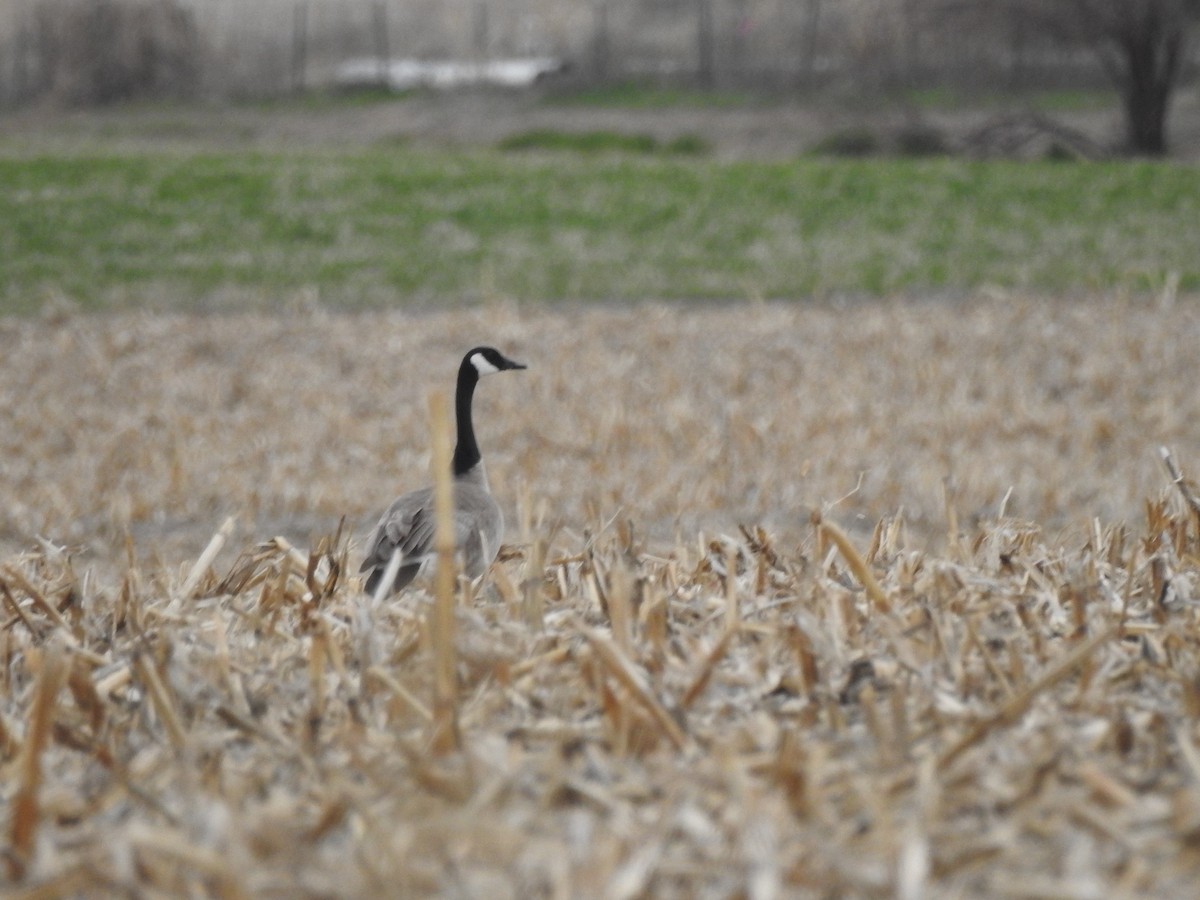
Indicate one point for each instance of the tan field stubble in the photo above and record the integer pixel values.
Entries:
(952, 651)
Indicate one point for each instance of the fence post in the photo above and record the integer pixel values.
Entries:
(23, 86)
(915, 20)
(736, 61)
(481, 30)
(704, 44)
(383, 52)
(600, 53)
(1016, 67)
(812, 31)
(299, 44)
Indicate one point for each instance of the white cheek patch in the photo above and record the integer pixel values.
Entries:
(482, 366)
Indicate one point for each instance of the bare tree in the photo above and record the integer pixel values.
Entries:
(1140, 43)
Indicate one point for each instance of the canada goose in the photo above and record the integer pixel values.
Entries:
(408, 524)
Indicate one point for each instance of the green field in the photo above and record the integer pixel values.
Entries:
(369, 228)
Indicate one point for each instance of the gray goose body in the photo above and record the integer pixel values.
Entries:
(408, 524)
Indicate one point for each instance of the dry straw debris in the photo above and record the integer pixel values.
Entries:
(813, 708)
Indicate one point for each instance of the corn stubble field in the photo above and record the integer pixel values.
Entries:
(882, 599)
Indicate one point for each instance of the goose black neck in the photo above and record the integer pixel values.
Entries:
(466, 451)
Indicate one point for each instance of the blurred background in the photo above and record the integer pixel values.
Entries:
(642, 184)
(100, 51)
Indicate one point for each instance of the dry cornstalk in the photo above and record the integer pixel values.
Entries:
(26, 814)
(400, 691)
(1092, 788)
(950, 500)
(730, 628)
(160, 697)
(84, 692)
(232, 683)
(619, 605)
(533, 603)
(857, 565)
(179, 849)
(1191, 756)
(215, 543)
(389, 578)
(1181, 483)
(632, 679)
(732, 613)
(114, 680)
(9, 745)
(1107, 788)
(19, 613)
(704, 675)
(550, 657)
(1015, 706)
(316, 683)
(445, 736)
(301, 563)
(18, 578)
(240, 721)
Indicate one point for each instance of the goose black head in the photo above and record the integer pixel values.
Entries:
(489, 361)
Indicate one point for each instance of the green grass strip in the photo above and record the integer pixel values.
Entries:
(404, 226)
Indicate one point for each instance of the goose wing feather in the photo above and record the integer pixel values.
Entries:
(409, 524)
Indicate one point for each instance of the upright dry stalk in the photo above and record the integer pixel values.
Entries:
(17, 577)
(25, 811)
(15, 606)
(949, 498)
(533, 604)
(620, 605)
(316, 683)
(206, 558)
(732, 613)
(707, 668)
(633, 679)
(1016, 705)
(314, 580)
(857, 565)
(389, 578)
(160, 697)
(445, 737)
(1177, 479)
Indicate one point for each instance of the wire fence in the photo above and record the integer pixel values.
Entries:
(230, 48)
